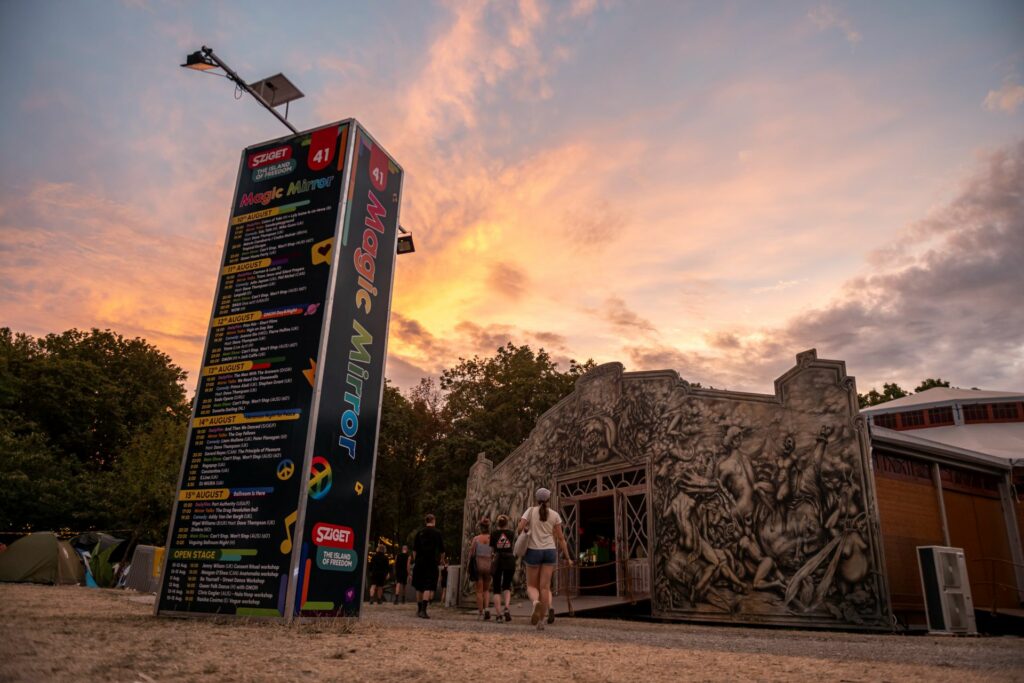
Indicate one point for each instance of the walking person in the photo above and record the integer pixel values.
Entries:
(544, 527)
(504, 563)
(379, 565)
(401, 573)
(444, 578)
(480, 557)
(427, 548)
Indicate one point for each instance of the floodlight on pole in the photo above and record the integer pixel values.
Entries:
(405, 245)
(204, 60)
(271, 92)
(199, 62)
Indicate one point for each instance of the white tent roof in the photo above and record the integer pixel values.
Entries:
(1002, 439)
(942, 396)
(1002, 451)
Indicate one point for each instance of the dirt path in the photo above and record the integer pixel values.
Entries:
(70, 633)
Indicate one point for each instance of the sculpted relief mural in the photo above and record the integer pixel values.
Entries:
(761, 507)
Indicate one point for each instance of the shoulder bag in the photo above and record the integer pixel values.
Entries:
(523, 540)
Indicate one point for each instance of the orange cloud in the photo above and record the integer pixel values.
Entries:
(87, 261)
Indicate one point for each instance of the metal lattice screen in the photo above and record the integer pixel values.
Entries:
(581, 487)
(618, 480)
(570, 525)
(635, 520)
(571, 529)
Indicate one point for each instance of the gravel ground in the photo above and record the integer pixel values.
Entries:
(70, 633)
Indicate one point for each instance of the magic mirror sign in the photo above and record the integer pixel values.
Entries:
(272, 507)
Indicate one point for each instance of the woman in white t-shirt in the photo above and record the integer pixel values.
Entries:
(544, 527)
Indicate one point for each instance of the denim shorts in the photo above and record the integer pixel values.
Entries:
(538, 556)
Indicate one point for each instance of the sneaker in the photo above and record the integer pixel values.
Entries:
(508, 617)
(540, 625)
(487, 615)
(551, 616)
(537, 611)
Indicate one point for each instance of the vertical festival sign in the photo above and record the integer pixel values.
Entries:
(335, 523)
(249, 466)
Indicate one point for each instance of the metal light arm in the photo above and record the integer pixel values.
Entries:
(208, 52)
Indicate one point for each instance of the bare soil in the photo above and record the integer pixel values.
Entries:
(79, 634)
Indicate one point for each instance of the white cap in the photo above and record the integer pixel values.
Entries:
(543, 494)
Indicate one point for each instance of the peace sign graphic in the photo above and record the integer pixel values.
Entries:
(285, 469)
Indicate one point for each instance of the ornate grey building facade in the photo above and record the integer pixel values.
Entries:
(715, 505)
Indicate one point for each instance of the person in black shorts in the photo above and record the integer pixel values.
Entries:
(401, 573)
(379, 565)
(502, 542)
(427, 549)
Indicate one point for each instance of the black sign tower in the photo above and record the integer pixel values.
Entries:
(272, 510)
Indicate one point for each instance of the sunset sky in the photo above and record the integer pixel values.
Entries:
(707, 187)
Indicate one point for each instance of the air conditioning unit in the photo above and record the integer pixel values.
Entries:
(947, 594)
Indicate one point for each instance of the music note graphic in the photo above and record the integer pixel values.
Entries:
(289, 522)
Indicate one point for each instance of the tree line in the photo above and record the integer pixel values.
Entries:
(892, 391)
(93, 427)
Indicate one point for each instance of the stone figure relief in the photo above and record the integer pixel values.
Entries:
(762, 507)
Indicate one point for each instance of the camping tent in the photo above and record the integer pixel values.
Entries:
(88, 541)
(41, 558)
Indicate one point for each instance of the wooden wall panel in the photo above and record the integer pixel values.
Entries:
(976, 524)
(909, 514)
(1019, 506)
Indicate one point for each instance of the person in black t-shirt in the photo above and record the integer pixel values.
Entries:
(427, 548)
(401, 573)
(379, 565)
(502, 542)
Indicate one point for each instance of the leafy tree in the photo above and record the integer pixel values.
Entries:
(497, 401)
(403, 434)
(894, 391)
(38, 487)
(89, 392)
(412, 429)
(490, 406)
(889, 393)
(71, 406)
(930, 383)
(146, 479)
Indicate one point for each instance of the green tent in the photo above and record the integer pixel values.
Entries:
(41, 558)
